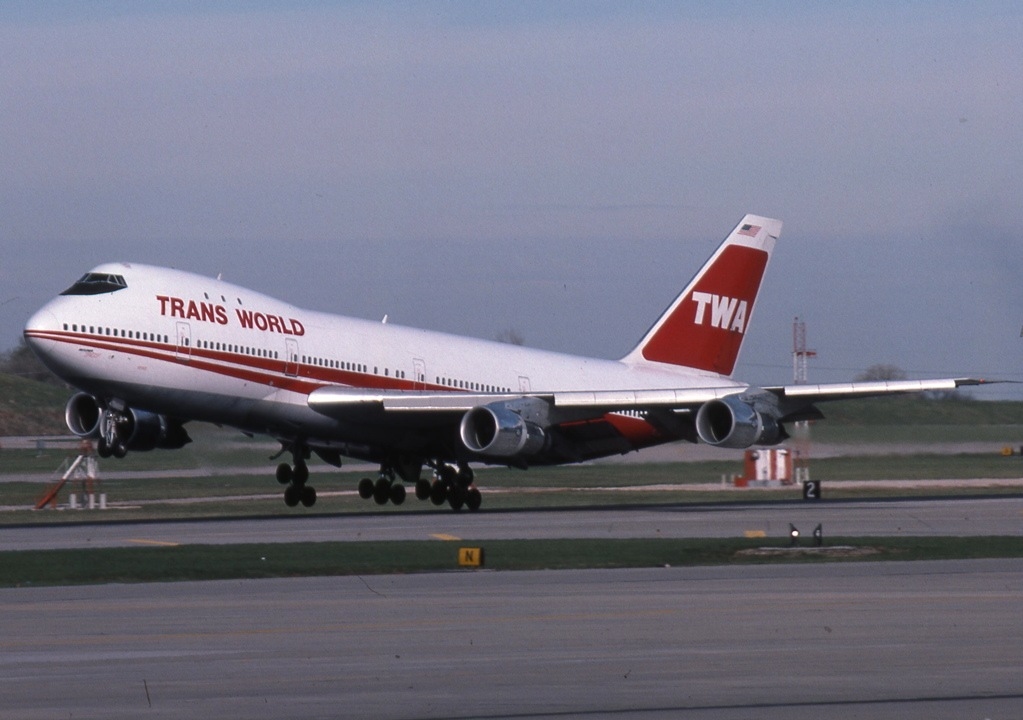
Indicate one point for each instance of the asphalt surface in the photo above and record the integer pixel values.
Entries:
(930, 517)
(857, 640)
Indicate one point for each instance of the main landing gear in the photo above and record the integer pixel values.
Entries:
(385, 489)
(451, 484)
(295, 478)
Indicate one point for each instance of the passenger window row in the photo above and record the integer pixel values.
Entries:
(115, 332)
(474, 386)
(274, 355)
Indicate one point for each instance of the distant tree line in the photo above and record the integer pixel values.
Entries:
(881, 371)
(885, 371)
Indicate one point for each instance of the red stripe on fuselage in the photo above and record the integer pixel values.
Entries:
(239, 366)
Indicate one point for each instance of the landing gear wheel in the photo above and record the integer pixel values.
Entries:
(284, 474)
(300, 474)
(438, 493)
(473, 499)
(422, 489)
(307, 495)
(456, 497)
(397, 495)
(103, 448)
(365, 488)
(382, 491)
(292, 495)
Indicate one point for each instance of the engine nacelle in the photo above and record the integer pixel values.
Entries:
(733, 423)
(82, 415)
(141, 430)
(130, 429)
(497, 431)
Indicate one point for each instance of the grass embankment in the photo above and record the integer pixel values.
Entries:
(28, 407)
(915, 410)
(215, 562)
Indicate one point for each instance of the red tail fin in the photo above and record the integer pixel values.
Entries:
(704, 328)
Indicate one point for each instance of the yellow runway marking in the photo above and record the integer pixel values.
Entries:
(755, 534)
(160, 543)
(443, 536)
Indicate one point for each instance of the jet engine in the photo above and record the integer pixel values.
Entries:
(499, 431)
(121, 430)
(731, 422)
(82, 415)
(141, 430)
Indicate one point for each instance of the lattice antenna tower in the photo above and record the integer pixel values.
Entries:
(800, 354)
(801, 429)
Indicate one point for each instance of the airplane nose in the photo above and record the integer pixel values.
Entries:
(38, 325)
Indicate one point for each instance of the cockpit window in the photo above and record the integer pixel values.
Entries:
(96, 284)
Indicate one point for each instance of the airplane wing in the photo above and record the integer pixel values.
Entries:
(847, 391)
(340, 402)
(334, 401)
(577, 425)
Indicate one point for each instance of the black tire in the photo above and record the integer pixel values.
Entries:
(292, 495)
(423, 489)
(284, 474)
(382, 492)
(438, 493)
(456, 498)
(308, 496)
(473, 499)
(365, 488)
(397, 493)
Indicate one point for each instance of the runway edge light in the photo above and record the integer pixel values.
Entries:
(793, 535)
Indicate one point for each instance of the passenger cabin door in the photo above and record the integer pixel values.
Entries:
(183, 349)
(291, 357)
(419, 374)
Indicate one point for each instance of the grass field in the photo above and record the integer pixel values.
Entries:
(210, 562)
(235, 495)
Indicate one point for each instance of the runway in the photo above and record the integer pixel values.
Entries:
(949, 517)
(909, 640)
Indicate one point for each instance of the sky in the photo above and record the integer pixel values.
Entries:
(560, 169)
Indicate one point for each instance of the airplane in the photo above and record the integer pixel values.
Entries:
(150, 349)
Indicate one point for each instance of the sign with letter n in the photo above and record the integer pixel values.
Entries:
(470, 557)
